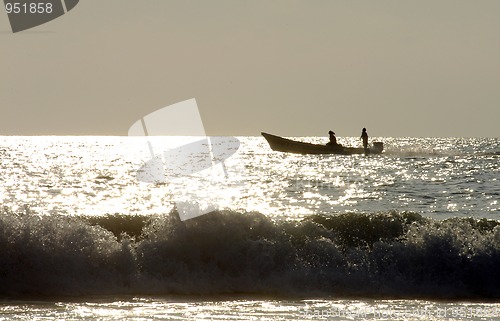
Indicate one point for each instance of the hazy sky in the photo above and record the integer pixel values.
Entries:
(399, 68)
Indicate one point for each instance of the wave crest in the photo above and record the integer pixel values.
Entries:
(388, 254)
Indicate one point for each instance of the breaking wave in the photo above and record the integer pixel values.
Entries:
(379, 255)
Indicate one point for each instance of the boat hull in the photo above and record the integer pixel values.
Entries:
(285, 145)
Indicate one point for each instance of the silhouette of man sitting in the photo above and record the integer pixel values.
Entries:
(333, 140)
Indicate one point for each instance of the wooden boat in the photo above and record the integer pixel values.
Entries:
(285, 145)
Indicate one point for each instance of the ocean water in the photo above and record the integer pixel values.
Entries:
(412, 234)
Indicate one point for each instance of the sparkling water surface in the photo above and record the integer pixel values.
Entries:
(438, 178)
(247, 309)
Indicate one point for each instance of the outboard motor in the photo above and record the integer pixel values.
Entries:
(378, 147)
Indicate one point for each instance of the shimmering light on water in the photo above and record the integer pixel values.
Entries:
(245, 309)
(97, 175)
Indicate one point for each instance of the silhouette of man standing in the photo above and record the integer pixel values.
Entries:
(364, 137)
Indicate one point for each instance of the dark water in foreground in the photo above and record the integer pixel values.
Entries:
(383, 255)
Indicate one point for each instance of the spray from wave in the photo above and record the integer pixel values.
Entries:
(390, 255)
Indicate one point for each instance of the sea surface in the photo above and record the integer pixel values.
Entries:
(97, 228)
